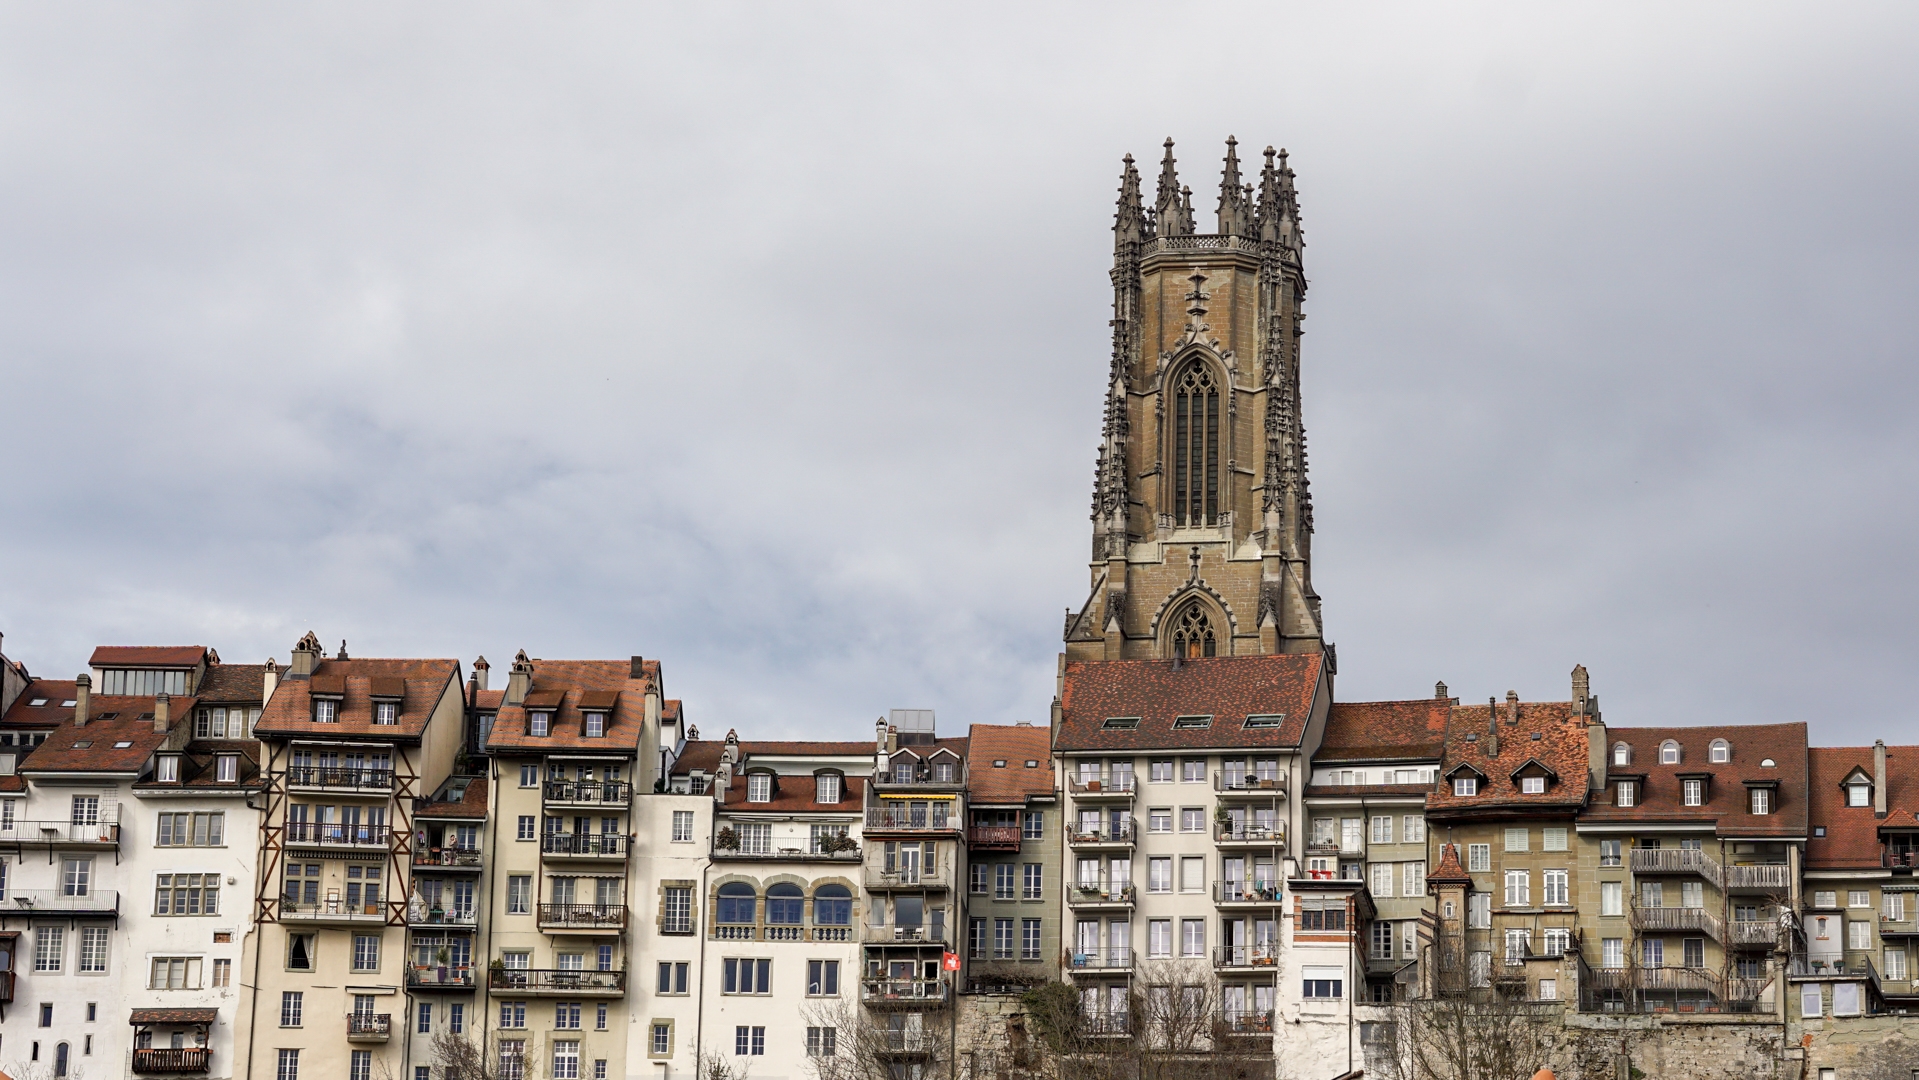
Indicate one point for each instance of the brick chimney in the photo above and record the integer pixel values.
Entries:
(1491, 744)
(519, 679)
(1879, 778)
(638, 668)
(82, 699)
(162, 709)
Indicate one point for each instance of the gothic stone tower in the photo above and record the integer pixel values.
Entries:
(1202, 521)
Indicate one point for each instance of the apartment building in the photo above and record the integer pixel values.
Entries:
(1013, 882)
(1366, 808)
(1197, 761)
(913, 853)
(140, 809)
(1860, 921)
(1326, 934)
(1512, 781)
(1689, 855)
(349, 748)
(571, 743)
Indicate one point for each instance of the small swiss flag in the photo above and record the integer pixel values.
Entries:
(949, 961)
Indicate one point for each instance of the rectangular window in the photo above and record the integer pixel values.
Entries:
(1192, 937)
(566, 1057)
(366, 952)
(1465, 787)
(1761, 801)
(456, 1018)
(1382, 829)
(1858, 934)
(1160, 771)
(1003, 881)
(976, 938)
(1032, 881)
(822, 1041)
(1895, 964)
(1413, 879)
(676, 910)
(1652, 952)
(519, 894)
(512, 1014)
(1479, 911)
(1556, 886)
(1412, 829)
(1029, 939)
(596, 725)
(424, 1023)
(76, 877)
(291, 1003)
(1694, 952)
(672, 978)
(1693, 792)
(823, 978)
(289, 1068)
(360, 1065)
(539, 723)
(746, 976)
(1516, 839)
(1623, 793)
(49, 948)
(512, 1059)
(1609, 852)
(1159, 875)
(1812, 1005)
(1518, 888)
(1382, 940)
(1192, 770)
(1192, 819)
(1859, 898)
(222, 973)
(1612, 953)
(1032, 827)
(186, 894)
(682, 826)
(759, 787)
(93, 949)
(1612, 898)
(1532, 785)
(1159, 939)
(749, 1041)
(1382, 879)
(1002, 939)
(662, 1039)
(1323, 983)
(1479, 858)
(566, 1015)
(1192, 874)
(1552, 839)
(976, 878)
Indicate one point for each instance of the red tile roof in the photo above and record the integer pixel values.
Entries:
(1660, 797)
(174, 1016)
(1449, 871)
(793, 793)
(1015, 744)
(227, 684)
(489, 700)
(198, 772)
(806, 749)
(71, 749)
(1852, 832)
(1228, 688)
(1354, 791)
(290, 713)
(699, 755)
(1560, 745)
(1385, 730)
(147, 656)
(56, 692)
(558, 686)
(471, 805)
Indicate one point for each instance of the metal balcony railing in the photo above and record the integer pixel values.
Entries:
(1111, 787)
(1899, 860)
(599, 845)
(557, 980)
(419, 913)
(101, 901)
(929, 780)
(1243, 784)
(440, 977)
(1246, 892)
(790, 854)
(373, 780)
(161, 1059)
(1093, 893)
(1247, 1023)
(457, 857)
(889, 934)
(323, 910)
(61, 833)
(1111, 958)
(905, 993)
(369, 1026)
(1106, 1025)
(1237, 956)
(934, 816)
(329, 834)
(1274, 834)
(1857, 967)
(595, 792)
(585, 916)
(1101, 834)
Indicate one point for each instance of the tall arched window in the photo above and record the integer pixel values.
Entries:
(1195, 446)
(785, 904)
(1193, 633)
(736, 902)
(832, 906)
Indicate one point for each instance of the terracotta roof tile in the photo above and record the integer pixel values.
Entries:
(226, 684)
(198, 771)
(471, 805)
(1385, 730)
(148, 656)
(56, 692)
(489, 700)
(290, 713)
(793, 793)
(557, 686)
(71, 749)
(1449, 871)
(698, 755)
(805, 749)
(1560, 744)
(1660, 797)
(1015, 744)
(1852, 832)
(174, 1016)
(1335, 791)
(1228, 688)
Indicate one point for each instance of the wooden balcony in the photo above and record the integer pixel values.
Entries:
(189, 1059)
(1772, 879)
(1693, 861)
(993, 838)
(1681, 920)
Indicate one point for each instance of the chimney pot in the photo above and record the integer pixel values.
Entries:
(82, 699)
(1439, 692)
(519, 679)
(162, 708)
(639, 668)
(480, 669)
(1879, 802)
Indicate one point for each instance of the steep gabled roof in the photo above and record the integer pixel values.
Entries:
(1660, 797)
(1550, 731)
(423, 683)
(1014, 744)
(569, 689)
(1157, 692)
(1852, 840)
(1385, 730)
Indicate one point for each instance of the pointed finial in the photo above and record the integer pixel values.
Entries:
(1130, 224)
(1235, 215)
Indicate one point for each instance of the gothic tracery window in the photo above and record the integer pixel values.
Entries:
(1195, 446)
(1193, 633)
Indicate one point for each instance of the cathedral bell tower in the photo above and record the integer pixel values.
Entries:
(1202, 520)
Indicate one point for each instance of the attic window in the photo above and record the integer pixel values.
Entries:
(759, 787)
(1858, 793)
(1121, 723)
(1031, 764)
(999, 763)
(1767, 764)
(1532, 785)
(1192, 721)
(108, 716)
(1265, 720)
(826, 788)
(1465, 787)
(38, 701)
(1669, 752)
(68, 704)
(539, 723)
(326, 711)
(386, 712)
(1621, 754)
(226, 768)
(1721, 752)
(167, 769)
(1819, 830)
(595, 725)
(1472, 736)
(123, 744)
(1537, 735)
(82, 744)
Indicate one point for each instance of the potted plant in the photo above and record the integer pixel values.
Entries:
(726, 839)
(442, 957)
(1222, 819)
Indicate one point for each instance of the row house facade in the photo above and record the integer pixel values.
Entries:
(1859, 904)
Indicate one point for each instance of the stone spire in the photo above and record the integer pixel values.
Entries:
(1130, 224)
(1235, 210)
(1173, 209)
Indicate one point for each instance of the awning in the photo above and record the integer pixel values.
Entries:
(174, 1016)
(919, 798)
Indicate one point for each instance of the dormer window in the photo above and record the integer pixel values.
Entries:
(326, 711)
(1693, 792)
(902, 772)
(759, 787)
(386, 712)
(826, 788)
(1669, 752)
(1720, 753)
(1621, 754)
(943, 772)
(226, 768)
(167, 769)
(539, 723)
(1858, 793)
(1465, 787)
(1626, 793)
(595, 725)
(1532, 785)
(1762, 799)
(7, 764)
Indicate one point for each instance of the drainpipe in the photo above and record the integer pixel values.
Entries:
(485, 984)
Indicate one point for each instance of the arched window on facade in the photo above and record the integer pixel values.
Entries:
(60, 1059)
(736, 902)
(832, 906)
(1193, 633)
(1195, 456)
(785, 904)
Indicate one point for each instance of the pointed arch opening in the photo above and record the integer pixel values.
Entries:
(1195, 451)
(1194, 633)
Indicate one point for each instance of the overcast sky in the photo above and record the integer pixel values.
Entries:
(769, 340)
